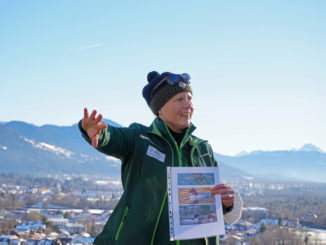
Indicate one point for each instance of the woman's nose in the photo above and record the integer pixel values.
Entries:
(188, 104)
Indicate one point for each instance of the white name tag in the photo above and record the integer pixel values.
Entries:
(153, 152)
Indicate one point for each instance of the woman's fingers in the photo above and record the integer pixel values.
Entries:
(94, 135)
(226, 192)
(99, 118)
(227, 203)
(85, 113)
(93, 114)
(93, 126)
(222, 189)
(227, 197)
(95, 141)
(102, 126)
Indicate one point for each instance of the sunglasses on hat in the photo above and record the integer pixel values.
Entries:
(172, 80)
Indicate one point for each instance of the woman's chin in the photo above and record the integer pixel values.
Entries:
(186, 123)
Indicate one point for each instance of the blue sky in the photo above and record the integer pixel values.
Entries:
(257, 67)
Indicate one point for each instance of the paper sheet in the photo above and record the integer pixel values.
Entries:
(193, 211)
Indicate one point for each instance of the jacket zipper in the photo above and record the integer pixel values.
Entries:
(164, 199)
(179, 154)
(121, 223)
(180, 164)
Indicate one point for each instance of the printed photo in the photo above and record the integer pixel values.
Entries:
(196, 179)
(195, 195)
(197, 214)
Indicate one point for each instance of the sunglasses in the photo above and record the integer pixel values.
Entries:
(172, 80)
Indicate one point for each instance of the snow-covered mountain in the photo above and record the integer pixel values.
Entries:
(25, 148)
(51, 149)
(306, 163)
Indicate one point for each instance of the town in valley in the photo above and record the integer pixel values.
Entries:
(71, 209)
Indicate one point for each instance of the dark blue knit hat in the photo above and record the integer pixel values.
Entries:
(156, 98)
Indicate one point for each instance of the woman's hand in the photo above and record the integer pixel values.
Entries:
(93, 126)
(226, 192)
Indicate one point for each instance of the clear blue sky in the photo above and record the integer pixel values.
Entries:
(258, 67)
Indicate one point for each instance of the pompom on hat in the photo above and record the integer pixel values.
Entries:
(156, 94)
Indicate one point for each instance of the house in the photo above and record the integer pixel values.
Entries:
(269, 221)
(16, 242)
(35, 239)
(61, 222)
(23, 229)
(84, 241)
(74, 228)
(10, 240)
(257, 210)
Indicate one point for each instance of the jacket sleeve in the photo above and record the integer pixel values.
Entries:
(114, 141)
(235, 214)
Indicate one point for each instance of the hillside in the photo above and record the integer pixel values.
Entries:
(51, 149)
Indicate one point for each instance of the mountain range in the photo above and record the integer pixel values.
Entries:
(50, 149)
(307, 163)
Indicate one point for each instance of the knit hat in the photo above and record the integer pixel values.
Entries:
(157, 96)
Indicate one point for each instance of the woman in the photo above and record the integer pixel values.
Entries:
(141, 216)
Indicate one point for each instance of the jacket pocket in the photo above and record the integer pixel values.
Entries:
(123, 219)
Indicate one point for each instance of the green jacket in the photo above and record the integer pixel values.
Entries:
(141, 215)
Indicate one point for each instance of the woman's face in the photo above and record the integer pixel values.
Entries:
(177, 112)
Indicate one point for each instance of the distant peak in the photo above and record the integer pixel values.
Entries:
(242, 153)
(310, 147)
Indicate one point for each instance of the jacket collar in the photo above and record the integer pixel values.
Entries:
(160, 128)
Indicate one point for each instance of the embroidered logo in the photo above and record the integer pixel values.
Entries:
(153, 152)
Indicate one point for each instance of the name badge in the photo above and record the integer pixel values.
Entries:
(153, 152)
